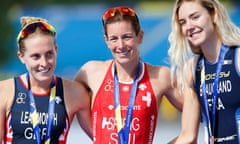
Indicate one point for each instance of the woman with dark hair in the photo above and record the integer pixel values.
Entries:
(126, 92)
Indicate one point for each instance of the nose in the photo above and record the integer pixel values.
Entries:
(43, 61)
(120, 43)
(189, 28)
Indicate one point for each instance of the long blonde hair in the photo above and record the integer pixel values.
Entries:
(180, 50)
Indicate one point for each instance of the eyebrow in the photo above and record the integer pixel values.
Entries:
(194, 13)
(191, 15)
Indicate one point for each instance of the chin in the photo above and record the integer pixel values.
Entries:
(124, 60)
(46, 76)
(195, 44)
(197, 41)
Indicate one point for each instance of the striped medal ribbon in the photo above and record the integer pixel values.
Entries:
(211, 121)
(123, 131)
(34, 114)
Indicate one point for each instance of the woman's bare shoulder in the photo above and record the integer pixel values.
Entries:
(158, 70)
(94, 66)
(6, 84)
(6, 92)
(91, 69)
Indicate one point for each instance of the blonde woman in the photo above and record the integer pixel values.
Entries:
(205, 56)
(38, 106)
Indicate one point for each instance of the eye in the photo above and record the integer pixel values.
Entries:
(35, 56)
(127, 37)
(113, 39)
(182, 22)
(49, 54)
(195, 17)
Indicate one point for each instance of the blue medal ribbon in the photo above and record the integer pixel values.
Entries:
(123, 132)
(211, 121)
(34, 114)
(237, 119)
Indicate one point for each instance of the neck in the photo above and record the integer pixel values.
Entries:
(40, 89)
(127, 73)
(211, 50)
(39, 86)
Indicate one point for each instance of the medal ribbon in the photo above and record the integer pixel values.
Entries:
(34, 115)
(211, 122)
(237, 119)
(123, 132)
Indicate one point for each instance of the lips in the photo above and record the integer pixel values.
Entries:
(192, 33)
(43, 70)
(124, 52)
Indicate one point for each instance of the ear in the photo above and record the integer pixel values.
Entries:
(214, 18)
(20, 56)
(56, 48)
(106, 40)
(140, 36)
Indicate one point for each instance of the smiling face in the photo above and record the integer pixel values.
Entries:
(39, 57)
(196, 23)
(123, 41)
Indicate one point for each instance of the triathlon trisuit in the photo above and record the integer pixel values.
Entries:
(19, 129)
(144, 117)
(228, 96)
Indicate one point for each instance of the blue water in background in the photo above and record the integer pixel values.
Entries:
(80, 35)
(80, 39)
